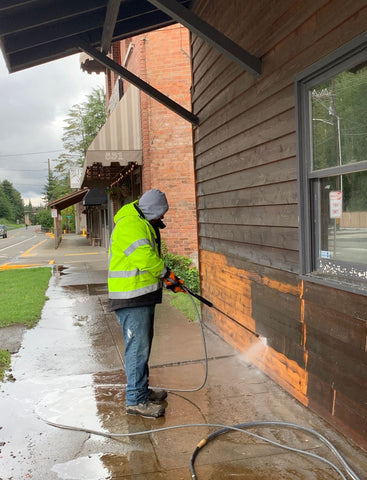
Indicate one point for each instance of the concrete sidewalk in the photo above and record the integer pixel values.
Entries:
(69, 370)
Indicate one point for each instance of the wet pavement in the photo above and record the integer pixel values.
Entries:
(69, 370)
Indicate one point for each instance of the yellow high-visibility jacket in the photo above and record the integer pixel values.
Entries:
(135, 265)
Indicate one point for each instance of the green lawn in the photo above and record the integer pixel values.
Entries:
(10, 225)
(4, 362)
(182, 302)
(22, 296)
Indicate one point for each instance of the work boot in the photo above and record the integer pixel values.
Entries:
(146, 409)
(157, 395)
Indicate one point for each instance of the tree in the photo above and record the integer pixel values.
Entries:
(11, 203)
(94, 115)
(82, 125)
(56, 187)
(5, 206)
(50, 188)
(44, 218)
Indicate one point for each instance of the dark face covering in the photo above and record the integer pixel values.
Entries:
(157, 223)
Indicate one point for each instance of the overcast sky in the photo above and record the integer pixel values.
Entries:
(33, 106)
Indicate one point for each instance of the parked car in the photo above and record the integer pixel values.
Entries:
(3, 231)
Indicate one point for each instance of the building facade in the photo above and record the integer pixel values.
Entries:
(160, 139)
(276, 159)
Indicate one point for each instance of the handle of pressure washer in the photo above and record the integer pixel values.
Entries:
(199, 297)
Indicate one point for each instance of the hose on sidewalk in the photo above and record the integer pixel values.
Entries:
(226, 429)
(206, 366)
(223, 429)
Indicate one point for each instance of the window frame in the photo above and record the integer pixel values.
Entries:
(344, 58)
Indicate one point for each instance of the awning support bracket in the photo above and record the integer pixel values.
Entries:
(113, 7)
(138, 82)
(218, 40)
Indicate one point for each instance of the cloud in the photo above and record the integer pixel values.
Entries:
(33, 106)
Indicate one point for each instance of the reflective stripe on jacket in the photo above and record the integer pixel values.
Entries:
(135, 265)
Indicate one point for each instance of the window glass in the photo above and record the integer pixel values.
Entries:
(332, 163)
(342, 224)
(339, 120)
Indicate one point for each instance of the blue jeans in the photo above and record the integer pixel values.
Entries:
(137, 327)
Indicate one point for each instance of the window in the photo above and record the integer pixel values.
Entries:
(332, 153)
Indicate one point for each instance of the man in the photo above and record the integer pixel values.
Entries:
(136, 271)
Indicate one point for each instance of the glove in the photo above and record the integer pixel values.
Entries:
(172, 282)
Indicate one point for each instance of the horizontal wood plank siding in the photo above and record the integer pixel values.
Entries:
(247, 196)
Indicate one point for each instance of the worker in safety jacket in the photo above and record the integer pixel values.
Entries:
(135, 278)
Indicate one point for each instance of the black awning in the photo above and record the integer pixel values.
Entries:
(95, 196)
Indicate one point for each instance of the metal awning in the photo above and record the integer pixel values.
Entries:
(68, 200)
(119, 140)
(118, 144)
(33, 32)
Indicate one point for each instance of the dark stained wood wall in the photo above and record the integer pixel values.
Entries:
(246, 173)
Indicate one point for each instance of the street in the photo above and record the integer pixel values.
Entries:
(19, 245)
(351, 244)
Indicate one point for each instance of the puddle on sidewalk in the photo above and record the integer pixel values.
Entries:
(98, 466)
(82, 468)
(88, 288)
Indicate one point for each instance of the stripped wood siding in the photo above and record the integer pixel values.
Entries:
(246, 173)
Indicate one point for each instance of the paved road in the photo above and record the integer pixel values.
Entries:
(20, 245)
(351, 244)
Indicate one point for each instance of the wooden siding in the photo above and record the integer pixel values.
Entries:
(314, 337)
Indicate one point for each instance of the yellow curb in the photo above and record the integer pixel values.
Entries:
(14, 267)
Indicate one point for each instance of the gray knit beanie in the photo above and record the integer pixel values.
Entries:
(153, 204)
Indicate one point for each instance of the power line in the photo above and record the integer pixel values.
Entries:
(22, 170)
(30, 153)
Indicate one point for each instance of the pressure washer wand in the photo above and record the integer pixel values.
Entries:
(199, 297)
(211, 305)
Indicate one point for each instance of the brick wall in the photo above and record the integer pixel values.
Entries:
(167, 138)
(111, 76)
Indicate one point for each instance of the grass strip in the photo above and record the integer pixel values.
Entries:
(4, 362)
(22, 295)
(182, 302)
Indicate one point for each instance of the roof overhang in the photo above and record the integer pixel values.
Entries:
(33, 32)
(68, 200)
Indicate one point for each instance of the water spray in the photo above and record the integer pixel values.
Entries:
(211, 305)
